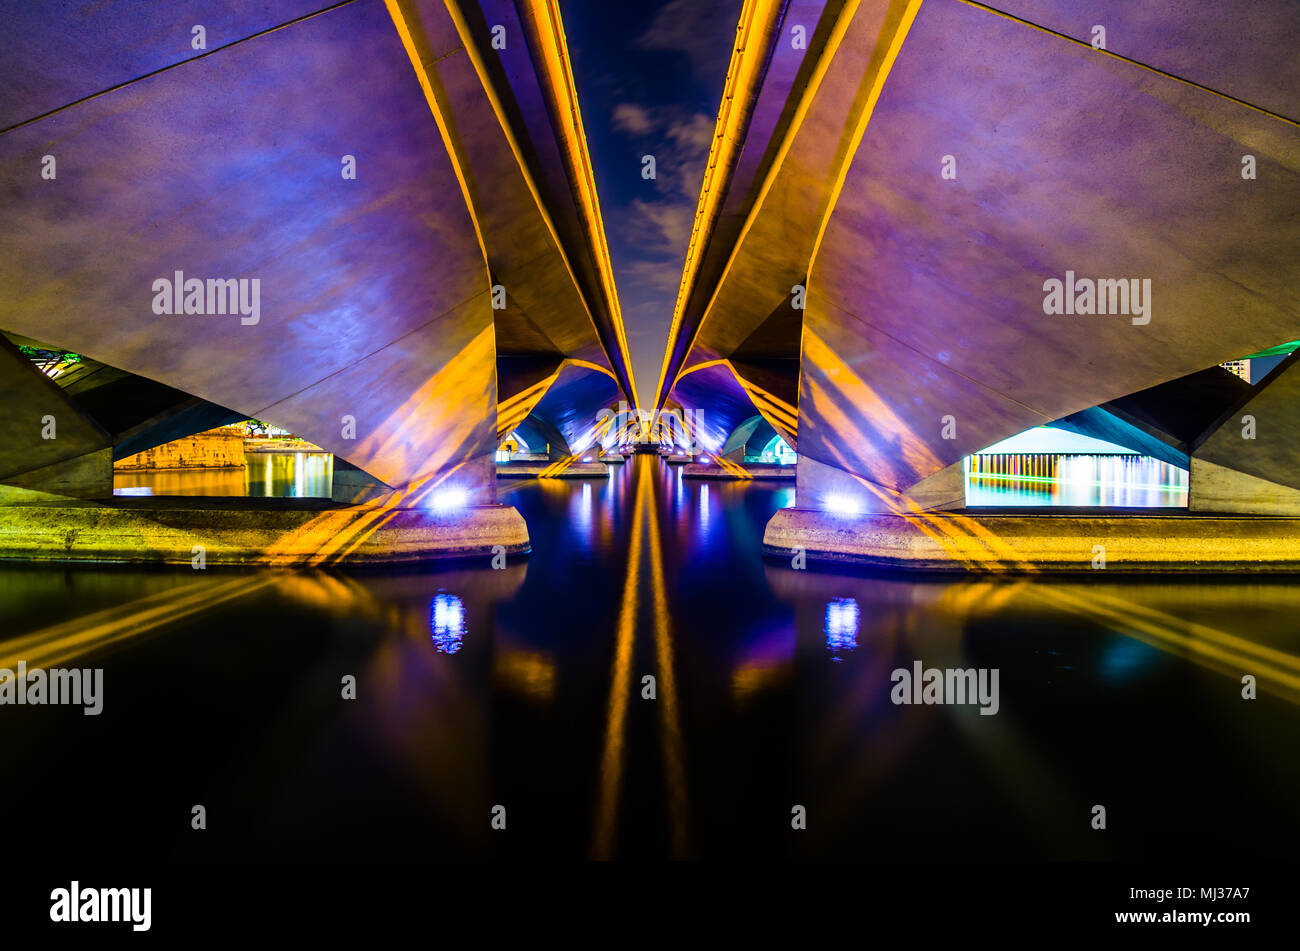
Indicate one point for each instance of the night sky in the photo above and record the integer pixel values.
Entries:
(649, 77)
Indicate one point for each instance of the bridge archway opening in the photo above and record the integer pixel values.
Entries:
(778, 452)
(513, 443)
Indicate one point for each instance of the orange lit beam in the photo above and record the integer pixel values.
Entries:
(548, 32)
(620, 689)
(557, 83)
(759, 21)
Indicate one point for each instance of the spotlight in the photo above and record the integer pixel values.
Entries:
(843, 504)
(449, 499)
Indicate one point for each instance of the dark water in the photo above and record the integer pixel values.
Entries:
(265, 474)
(523, 688)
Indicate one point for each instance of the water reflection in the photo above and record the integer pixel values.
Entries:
(266, 474)
(1075, 480)
(841, 626)
(447, 622)
(773, 688)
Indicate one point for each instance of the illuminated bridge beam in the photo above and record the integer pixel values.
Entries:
(511, 119)
(755, 223)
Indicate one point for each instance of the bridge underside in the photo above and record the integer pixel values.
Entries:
(952, 160)
(403, 215)
(926, 296)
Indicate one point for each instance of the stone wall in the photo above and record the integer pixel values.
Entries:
(216, 449)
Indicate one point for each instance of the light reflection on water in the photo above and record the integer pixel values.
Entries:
(447, 622)
(841, 626)
(265, 474)
(477, 686)
(1119, 480)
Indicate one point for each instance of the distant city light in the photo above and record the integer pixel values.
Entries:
(450, 499)
(843, 504)
(447, 623)
(841, 625)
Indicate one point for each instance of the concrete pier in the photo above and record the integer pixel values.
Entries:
(757, 470)
(1140, 541)
(249, 531)
(531, 470)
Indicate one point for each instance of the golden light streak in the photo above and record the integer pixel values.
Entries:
(334, 534)
(58, 644)
(559, 73)
(670, 731)
(979, 548)
(555, 61)
(740, 91)
(734, 469)
(1217, 650)
(444, 404)
(555, 468)
(868, 94)
(611, 764)
(855, 392)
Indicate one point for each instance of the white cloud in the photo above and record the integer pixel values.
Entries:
(633, 119)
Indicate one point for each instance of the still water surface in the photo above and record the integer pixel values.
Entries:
(524, 688)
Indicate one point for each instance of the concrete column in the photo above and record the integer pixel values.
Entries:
(1249, 461)
(48, 447)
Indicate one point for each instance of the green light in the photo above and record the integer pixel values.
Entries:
(1280, 350)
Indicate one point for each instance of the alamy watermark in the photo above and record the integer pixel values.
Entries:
(75, 903)
(54, 687)
(950, 685)
(680, 427)
(1129, 297)
(182, 295)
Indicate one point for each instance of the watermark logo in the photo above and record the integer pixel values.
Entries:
(103, 904)
(679, 427)
(54, 687)
(1128, 297)
(950, 685)
(182, 295)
